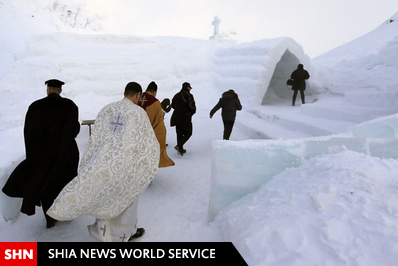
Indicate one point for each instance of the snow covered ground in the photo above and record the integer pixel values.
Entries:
(335, 209)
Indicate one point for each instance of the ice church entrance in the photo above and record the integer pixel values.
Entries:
(277, 89)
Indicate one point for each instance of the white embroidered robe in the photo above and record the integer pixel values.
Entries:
(120, 160)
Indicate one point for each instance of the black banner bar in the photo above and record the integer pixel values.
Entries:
(175, 253)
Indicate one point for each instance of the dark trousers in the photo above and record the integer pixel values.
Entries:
(184, 132)
(46, 204)
(295, 96)
(47, 201)
(228, 125)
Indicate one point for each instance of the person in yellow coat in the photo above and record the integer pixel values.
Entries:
(153, 108)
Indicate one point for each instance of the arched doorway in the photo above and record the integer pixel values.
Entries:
(277, 90)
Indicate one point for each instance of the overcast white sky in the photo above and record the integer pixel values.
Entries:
(318, 25)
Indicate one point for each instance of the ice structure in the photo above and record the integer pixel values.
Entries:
(264, 68)
(257, 71)
(10, 207)
(241, 167)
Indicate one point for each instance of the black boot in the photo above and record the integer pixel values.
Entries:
(50, 222)
(140, 232)
(180, 150)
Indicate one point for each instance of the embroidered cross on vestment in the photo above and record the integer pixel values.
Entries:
(117, 124)
(103, 229)
(123, 237)
(143, 100)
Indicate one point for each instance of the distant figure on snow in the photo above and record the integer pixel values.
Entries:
(229, 104)
(52, 155)
(184, 107)
(153, 108)
(299, 76)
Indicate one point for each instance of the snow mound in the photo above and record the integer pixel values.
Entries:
(20, 19)
(337, 209)
(367, 64)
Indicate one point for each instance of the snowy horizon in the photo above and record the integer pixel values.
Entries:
(240, 20)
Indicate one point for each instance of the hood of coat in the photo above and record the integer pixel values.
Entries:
(229, 95)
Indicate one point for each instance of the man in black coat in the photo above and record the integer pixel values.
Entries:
(52, 155)
(184, 107)
(299, 76)
(229, 102)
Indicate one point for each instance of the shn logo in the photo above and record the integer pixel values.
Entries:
(19, 254)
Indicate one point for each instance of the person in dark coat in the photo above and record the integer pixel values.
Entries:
(229, 104)
(52, 155)
(299, 76)
(184, 107)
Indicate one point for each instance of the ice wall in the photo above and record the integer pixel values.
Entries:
(10, 207)
(241, 167)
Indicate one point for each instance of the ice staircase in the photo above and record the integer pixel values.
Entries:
(322, 115)
(252, 65)
(102, 65)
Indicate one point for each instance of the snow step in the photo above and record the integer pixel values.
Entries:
(334, 113)
(256, 128)
(281, 121)
(341, 111)
(373, 99)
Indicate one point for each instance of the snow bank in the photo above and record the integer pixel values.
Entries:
(335, 209)
(365, 65)
(20, 19)
(239, 168)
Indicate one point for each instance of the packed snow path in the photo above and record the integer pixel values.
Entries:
(173, 208)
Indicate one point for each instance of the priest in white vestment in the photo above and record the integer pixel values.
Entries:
(120, 161)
